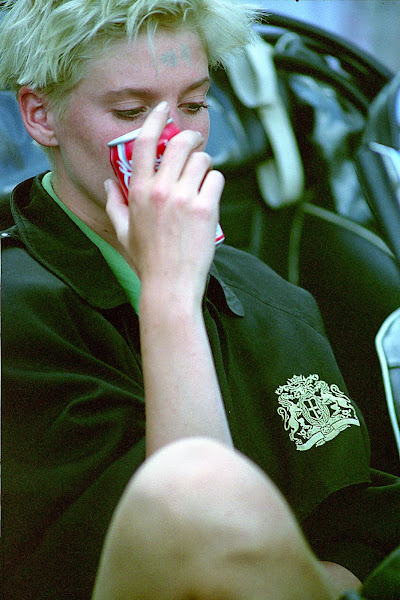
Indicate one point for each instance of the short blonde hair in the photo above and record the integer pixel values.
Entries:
(46, 44)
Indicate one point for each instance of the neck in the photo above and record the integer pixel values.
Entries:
(89, 211)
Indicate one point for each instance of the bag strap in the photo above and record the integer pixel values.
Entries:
(253, 77)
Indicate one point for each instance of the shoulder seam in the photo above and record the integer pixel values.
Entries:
(293, 312)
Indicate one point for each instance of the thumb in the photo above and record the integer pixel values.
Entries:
(117, 209)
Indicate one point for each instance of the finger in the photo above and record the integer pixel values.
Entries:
(177, 154)
(196, 168)
(212, 186)
(145, 147)
(117, 209)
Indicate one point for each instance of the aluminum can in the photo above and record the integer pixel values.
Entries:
(121, 153)
(121, 160)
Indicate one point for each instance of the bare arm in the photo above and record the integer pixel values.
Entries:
(167, 234)
(183, 398)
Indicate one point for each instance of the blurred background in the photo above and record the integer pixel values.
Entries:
(372, 25)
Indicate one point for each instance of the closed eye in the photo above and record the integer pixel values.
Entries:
(195, 107)
(134, 113)
(130, 114)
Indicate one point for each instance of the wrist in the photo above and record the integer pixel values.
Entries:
(173, 303)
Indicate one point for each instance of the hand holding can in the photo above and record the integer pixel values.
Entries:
(121, 160)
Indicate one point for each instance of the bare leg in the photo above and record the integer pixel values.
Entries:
(200, 521)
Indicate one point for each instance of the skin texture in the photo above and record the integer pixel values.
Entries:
(102, 108)
(166, 232)
(200, 521)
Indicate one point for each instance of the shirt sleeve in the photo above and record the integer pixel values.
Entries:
(358, 526)
(290, 411)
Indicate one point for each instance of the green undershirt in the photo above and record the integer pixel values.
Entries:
(127, 278)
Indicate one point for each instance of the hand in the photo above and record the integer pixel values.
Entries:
(168, 228)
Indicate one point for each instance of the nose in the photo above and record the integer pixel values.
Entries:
(176, 117)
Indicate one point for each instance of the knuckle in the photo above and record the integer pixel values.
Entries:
(159, 194)
(143, 139)
(202, 162)
(182, 197)
(179, 141)
(185, 138)
(137, 187)
(203, 211)
(204, 158)
(219, 177)
(216, 180)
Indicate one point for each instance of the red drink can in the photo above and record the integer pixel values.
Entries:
(121, 153)
(121, 160)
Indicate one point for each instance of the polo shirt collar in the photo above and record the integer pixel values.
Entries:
(232, 301)
(127, 278)
(55, 241)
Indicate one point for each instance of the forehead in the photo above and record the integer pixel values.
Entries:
(176, 54)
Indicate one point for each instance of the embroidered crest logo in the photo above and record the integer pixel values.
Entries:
(314, 412)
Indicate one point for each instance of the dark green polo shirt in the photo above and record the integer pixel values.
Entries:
(127, 278)
(73, 403)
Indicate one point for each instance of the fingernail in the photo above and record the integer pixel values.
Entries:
(107, 185)
(162, 107)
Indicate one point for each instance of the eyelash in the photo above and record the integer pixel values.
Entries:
(196, 107)
(130, 115)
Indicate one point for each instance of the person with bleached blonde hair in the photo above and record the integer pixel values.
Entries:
(162, 417)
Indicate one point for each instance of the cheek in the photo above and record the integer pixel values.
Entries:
(82, 130)
(203, 126)
(89, 145)
(198, 122)
(85, 152)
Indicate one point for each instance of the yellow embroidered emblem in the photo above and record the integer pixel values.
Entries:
(314, 412)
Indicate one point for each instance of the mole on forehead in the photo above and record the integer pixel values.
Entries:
(173, 57)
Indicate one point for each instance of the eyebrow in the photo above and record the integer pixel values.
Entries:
(143, 92)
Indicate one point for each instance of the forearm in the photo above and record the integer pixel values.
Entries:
(167, 232)
(182, 392)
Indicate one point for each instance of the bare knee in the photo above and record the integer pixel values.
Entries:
(203, 484)
(201, 519)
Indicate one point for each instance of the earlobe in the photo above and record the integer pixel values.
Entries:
(36, 116)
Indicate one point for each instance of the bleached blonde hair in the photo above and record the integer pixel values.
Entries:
(47, 44)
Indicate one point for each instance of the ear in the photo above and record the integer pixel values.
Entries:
(37, 116)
